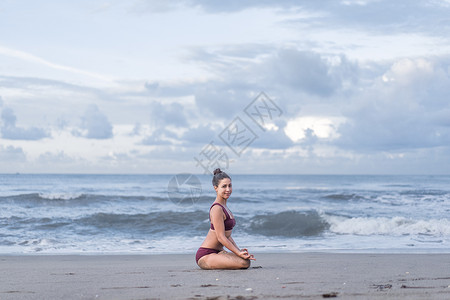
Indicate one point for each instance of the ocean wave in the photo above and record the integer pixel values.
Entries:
(60, 196)
(395, 226)
(15, 223)
(168, 222)
(344, 197)
(288, 224)
(398, 185)
(51, 199)
(74, 199)
(421, 193)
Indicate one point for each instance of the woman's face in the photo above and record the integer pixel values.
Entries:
(224, 188)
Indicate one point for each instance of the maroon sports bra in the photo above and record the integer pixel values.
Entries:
(229, 222)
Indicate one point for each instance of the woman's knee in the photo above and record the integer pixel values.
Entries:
(245, 263)
(202, 264)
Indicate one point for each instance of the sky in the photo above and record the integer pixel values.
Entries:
(253, 87)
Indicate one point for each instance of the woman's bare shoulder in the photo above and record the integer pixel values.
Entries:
(216, 210)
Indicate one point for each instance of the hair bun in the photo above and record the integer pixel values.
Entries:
(218, 176)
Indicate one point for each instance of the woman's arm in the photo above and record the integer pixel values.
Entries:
(249, 256)
(232, 241)
(219, 227)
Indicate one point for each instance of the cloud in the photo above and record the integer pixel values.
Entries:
(288, 73)
(384, 109)
(166, 155)
(39, 84)
(168, 121)
(383, 16)
(60, 162)
(272, 139)
(310, 72)
(296, 76)
(372, 107)
(405, 108)
(159, 137)
(10, 131)
(362, 107)
(155, 6)
(214, 100)
(215, 6)
(137, 129)
(57, 159)
(11, 154)
(167, 114)
(38, 60)
(202, 134)
(8, 117)
(95, 124)
(222, 100)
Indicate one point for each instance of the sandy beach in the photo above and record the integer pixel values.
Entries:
(286, 276)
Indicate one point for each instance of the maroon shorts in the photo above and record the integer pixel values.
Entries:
(204, 251)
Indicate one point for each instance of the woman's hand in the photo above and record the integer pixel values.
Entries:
(245, 255)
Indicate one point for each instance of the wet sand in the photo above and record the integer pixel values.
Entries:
(272, 276)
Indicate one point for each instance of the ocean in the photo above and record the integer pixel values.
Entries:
(154, 214)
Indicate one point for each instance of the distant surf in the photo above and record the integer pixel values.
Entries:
(135, 214)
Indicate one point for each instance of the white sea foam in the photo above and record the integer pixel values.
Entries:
(60, 196)
(388, 226)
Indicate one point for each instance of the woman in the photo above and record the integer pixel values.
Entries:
(211, 255)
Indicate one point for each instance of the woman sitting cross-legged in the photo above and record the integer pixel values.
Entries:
(211, 255)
